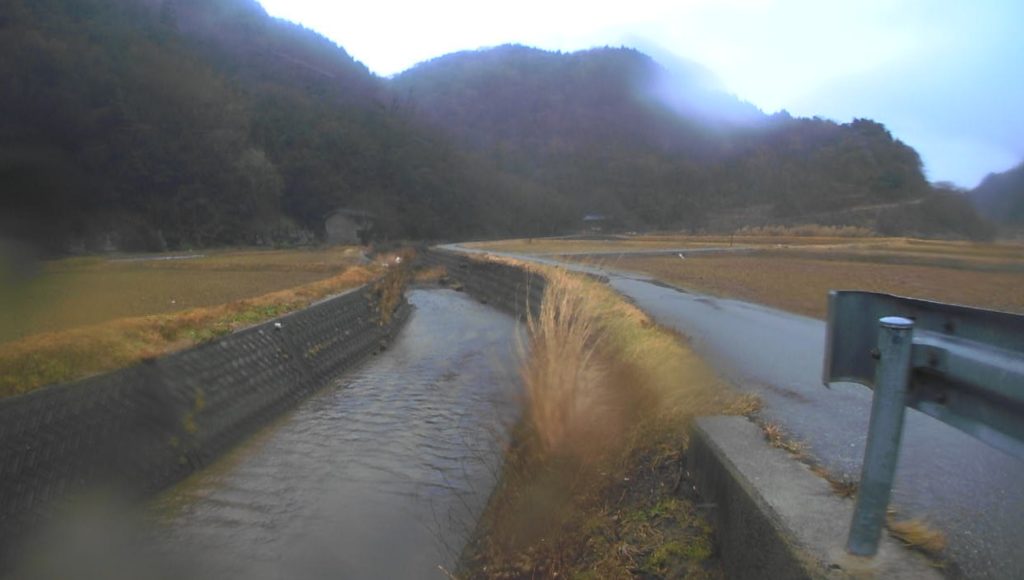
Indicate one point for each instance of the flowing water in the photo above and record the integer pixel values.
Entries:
(381, 475)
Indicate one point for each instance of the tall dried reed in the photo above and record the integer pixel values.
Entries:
(562, 374)
(589, 486)
(594, 366)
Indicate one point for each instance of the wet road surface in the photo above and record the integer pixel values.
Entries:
(972, 492)
(382, 475)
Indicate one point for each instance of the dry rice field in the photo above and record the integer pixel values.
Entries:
(76, 292)
(795, 272)
(801, 285)
(73, 318)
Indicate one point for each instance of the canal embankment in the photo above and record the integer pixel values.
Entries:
(138, 430)
(594, 483)
(382, 474)
(772, 516)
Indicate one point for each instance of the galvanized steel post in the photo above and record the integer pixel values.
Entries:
(892, 375)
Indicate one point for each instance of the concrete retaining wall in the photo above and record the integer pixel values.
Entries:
(514, 290)
(143, 428)
(776, 519)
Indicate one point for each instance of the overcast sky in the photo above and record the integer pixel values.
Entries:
(945, 76)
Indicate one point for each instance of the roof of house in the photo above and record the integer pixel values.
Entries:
(356, 213)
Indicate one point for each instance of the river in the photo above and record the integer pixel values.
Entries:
(381, 475)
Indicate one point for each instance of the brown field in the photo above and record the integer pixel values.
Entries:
(910, 251)
(793, 269)
(147, 308)
(800, 284)
(78, 292)
(1005, 252)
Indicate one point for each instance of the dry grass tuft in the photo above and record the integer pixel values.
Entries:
(747, 404)
(917, 534)
(389, 289)
(808, 230)
(596, 361)
(842, 486)
(593, 485)
(566, 386)
(777, 437)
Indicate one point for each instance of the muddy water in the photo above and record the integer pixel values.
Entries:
(381, 475)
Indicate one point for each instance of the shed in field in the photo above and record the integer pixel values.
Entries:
(594, 222)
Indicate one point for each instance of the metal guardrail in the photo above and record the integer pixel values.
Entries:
(963, 366)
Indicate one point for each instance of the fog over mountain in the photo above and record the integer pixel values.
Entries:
(153, 124)
(600, 130)
(692, 90)
(1000, 196)
(940, 74)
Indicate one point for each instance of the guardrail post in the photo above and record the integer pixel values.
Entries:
(892, 374)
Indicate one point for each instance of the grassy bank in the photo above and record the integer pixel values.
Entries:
(594, 484)
(65, 355)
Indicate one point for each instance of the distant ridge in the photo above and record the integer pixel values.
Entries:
(169, 124)
(1000, 196)
(610, 130)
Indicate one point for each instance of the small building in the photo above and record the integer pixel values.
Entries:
(594, 222)
(348, 226)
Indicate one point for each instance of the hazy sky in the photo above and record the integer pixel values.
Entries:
(945, 76)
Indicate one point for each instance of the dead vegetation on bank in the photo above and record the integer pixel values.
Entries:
(594, 485)
(917, 534)
(914, 533)
(66, 355)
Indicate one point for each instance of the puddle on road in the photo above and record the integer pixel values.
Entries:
(382, 475)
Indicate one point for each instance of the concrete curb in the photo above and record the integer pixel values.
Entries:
(776, 519)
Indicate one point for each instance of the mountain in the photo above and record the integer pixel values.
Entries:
(168, 124)
(148, 124)
(1000, 196)
(611, 131)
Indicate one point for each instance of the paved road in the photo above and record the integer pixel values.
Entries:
(971, 491)
(653, 252)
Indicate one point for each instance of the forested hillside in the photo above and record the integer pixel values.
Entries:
(598, 127)
(1000, 196)
(182, 123)
(153, 124)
